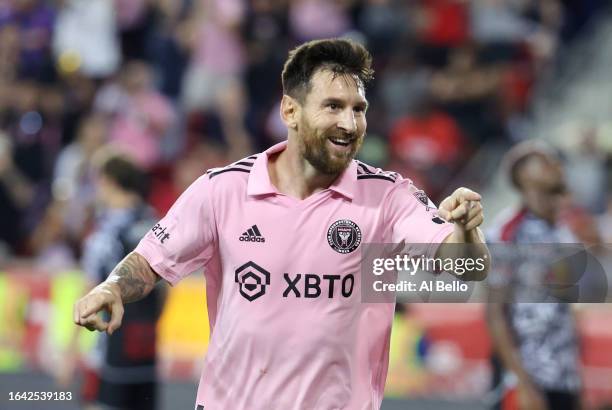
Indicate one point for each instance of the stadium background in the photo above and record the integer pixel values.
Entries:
(186, 85)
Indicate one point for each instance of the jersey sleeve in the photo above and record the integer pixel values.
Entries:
(184, 240)
(413, 219)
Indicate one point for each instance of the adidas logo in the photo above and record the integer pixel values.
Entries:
(252, 235)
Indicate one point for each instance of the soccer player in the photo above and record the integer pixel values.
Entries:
(121, 370)
(537, 342)
(278, 235)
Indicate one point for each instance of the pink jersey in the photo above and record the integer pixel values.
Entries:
(288, 328)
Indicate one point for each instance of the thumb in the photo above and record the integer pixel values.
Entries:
(444, 214)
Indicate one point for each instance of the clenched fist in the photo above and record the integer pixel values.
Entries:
(463, 208)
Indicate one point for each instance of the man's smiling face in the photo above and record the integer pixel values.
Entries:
(332, 121)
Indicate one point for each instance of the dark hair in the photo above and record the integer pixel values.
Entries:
(341, 56)
(126, 174)
(521, 153)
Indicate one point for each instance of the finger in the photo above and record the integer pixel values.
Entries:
(475, 208)
(94, 322)
(92, 305)
(475, 222)
(444, 214)
(460, 211)
(450, 202)
(76, 313)
(465, 194)
(116, 317)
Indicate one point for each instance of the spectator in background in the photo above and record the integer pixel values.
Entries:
(10, 49)
(404, 84)
(213, 83)
(537, 342)
(120, 372)
(385, 23)
(134, 21)
(429, 146)
(140, 116)
(68, 219)
(34, 20)
(85, 38)
(35, 130)
(266, 34)
(311, 19)
(503, 27)
(469, 91)
(16, 192)
(217, 53)
(167, 44)
(442, 25)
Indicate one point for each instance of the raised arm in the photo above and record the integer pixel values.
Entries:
(131, 280)
(464, 209)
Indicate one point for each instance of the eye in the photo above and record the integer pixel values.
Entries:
(359, 109)
(333, 106)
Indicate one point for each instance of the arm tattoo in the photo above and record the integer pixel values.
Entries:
(134, 277)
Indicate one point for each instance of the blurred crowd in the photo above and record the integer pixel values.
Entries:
(185, 85)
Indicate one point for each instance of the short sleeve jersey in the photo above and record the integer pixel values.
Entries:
(288, 328)
(545, 333)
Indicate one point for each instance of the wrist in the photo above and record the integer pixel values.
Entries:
(112, 288)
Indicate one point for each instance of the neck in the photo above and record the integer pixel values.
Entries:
(292, 175)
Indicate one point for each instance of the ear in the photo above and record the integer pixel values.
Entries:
(289, 111)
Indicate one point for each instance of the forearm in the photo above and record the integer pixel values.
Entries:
(468, 246)
(132, 279)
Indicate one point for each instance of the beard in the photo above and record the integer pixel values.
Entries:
(314, 148)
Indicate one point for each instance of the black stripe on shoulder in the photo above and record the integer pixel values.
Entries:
(223, 170)
(365, 171)
(246, 164)
(364, 168)
(376, 176)
(252, 157)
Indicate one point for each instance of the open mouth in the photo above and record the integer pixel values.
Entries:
(343, 142)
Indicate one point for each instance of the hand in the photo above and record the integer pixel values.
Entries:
(530, 398)
(104, 296)
(463, 208)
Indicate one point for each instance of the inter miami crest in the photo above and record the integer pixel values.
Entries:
(422, 197)
(344, 236)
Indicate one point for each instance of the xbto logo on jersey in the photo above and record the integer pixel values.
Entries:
(252, 280)
(336, 285)
(252, 235)
(344, 236)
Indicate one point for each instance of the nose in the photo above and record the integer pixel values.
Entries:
(347, 122)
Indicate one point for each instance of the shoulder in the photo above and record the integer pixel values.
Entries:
(378, 182)
(368, 173)
(240, 168)
(381, 186)
(506, 225)
(219, 181)
(233, 175)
